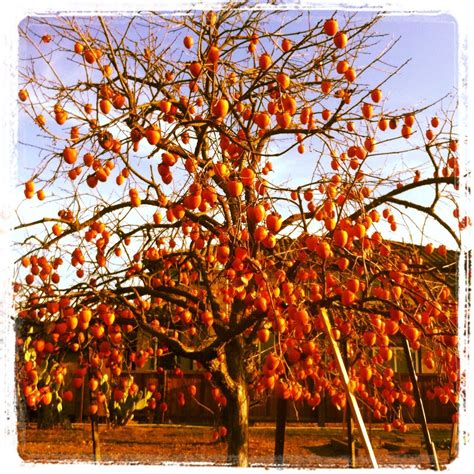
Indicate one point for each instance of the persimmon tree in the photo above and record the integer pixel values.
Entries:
(213, 180)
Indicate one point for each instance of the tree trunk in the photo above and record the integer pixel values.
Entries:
(238, 424)
(237, 405)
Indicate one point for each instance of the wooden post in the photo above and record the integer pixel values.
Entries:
(95, 438)
(349, 421)
(94, 424)
(322, 407)
(81, 405)
(350, 396)
(430, 447)
(453, 447)
(164, 398)
(281, 412)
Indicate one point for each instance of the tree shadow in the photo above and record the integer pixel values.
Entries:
(326, 450)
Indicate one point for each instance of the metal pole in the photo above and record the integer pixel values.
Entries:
(430, 447)
(281, 412)
(350, 396)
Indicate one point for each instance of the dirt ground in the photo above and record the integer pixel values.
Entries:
(306, 446)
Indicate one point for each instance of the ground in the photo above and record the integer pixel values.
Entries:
(305, 445)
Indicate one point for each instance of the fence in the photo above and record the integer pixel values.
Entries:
(203, 409)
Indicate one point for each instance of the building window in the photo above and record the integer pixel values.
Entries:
(399, 361)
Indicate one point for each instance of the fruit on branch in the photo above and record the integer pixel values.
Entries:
(350, 74)
(188, 42)
(383, 124)
(262, 119)
(211, 18)
(60, 116)
(340, 237)
(342, 66)
(78, 48)
(367, 110)
(118, 101)
(406, 131)
(195, 69)
(326, 86)
(283, 80)
(105, 106)
(91, 55)
(153, 134)
(235, 188)
(286, 45)
(369, 144)
(283, 120)
(331, 27)
(376, 95)
(23, 95)
(265, 62)
(70, 155)
(247, 177)
(213, 54)
(220, 108)
(134, 198)
(274, 222)
(409, 120)
(256, 214)
(340, 40)
(326, 114)
(57, 229)
(165, 106)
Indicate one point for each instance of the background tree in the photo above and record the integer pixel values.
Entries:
(214, 180)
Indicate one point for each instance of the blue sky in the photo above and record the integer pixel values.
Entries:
(429, 41)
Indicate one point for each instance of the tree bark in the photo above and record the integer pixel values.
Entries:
(238, 419)
(237, 406)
